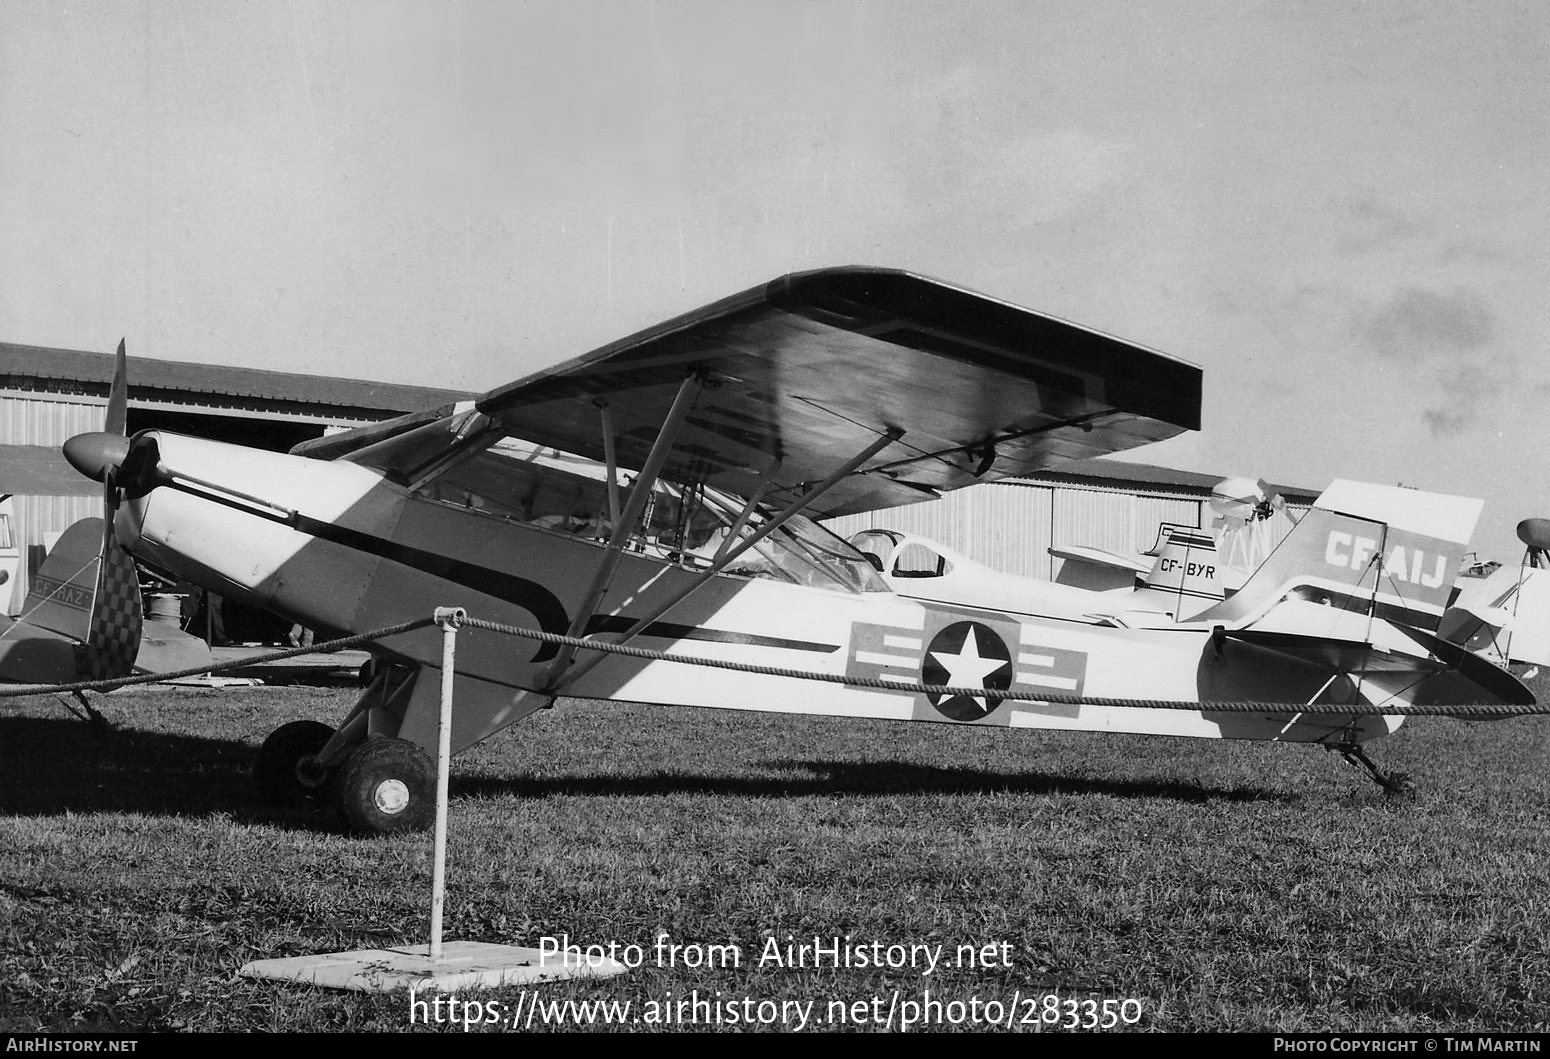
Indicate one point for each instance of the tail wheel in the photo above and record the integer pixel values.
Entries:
(387, 785)
(282, 771)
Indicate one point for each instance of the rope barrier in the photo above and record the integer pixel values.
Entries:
(20, 690)
(1462, 710)
(999, 695)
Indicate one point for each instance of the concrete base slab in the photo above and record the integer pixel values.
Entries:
(463, 965)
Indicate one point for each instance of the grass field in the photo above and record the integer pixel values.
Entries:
(1217, 886)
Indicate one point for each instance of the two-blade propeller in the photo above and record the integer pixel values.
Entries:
(113, 633)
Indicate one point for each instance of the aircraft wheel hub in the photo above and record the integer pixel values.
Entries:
(387, 785)
(391, 797)
(287, 770)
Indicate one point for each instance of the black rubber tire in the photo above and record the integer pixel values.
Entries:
(386, 786)
(275, 770)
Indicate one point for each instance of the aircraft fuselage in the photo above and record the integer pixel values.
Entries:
(340, 548)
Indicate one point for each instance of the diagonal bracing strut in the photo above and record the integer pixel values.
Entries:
(723, 559)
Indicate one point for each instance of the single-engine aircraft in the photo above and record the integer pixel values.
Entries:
(1191, 570)
(664, 491)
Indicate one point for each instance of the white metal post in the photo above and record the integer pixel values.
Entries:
(449, 618)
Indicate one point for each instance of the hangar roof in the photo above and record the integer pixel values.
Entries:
(70, 371)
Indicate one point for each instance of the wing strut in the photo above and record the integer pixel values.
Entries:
(723, 559)
(624, 525)
(749, 507)
(611, 462)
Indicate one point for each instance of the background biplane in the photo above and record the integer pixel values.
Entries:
(664, 491)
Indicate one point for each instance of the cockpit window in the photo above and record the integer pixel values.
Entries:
(689, 526)
(541, 487)
(917, 560)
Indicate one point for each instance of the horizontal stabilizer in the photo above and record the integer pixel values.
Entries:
(1428, 671)
(1099, 557)
(1447, 518)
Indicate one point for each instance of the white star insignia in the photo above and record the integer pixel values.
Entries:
(968, 668)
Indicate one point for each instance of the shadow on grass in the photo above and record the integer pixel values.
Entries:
(57, 765)
(50, 766)
(819, 777)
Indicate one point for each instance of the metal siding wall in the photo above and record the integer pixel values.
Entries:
(1004, 526)
(1095, 519)
(1154, 510)
(29, 422)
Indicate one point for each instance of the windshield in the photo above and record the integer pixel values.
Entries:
(461, 463)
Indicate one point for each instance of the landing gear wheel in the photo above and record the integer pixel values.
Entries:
(387, 785)
(281, 771)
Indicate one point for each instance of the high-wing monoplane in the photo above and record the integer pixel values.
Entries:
(666, 492)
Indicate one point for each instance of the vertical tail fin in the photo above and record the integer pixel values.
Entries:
(77, 594)
(1386, 551)
(1185, 568)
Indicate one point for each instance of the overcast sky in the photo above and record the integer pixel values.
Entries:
(1338, 210)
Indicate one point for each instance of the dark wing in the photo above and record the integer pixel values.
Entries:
(806, 371)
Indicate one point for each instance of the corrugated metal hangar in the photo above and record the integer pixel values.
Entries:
(49, 395)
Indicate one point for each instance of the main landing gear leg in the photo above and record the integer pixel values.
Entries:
(1396, 783)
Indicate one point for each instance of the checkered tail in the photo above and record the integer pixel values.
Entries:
(113, 638)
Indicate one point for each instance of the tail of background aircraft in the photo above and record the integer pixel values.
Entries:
(1383, 551)
(1185, 569)
(76, 596)
(1198, 568)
